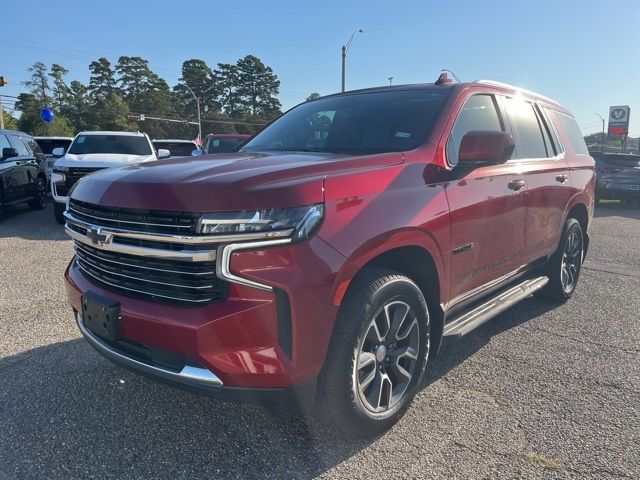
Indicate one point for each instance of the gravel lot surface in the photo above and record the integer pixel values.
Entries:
(541, 391)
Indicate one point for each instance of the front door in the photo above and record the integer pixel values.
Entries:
(487, 206)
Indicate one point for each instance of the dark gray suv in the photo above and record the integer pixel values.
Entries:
(617, 176)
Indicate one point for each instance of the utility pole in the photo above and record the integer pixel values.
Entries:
(602, 139)
(345, 48)
(3, 82)
(199, 119)
(390, 80)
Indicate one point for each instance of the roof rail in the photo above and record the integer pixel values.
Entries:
(518, 89)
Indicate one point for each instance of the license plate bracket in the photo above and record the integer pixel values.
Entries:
(101, 315)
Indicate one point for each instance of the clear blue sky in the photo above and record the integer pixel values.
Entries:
(585, 54)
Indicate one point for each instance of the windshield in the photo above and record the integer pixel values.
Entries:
(123, 144)
(391, 121)
(177, 149)
(47, 145)
(223, 145)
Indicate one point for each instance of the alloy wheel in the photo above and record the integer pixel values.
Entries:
(571, 261)
(387, 357)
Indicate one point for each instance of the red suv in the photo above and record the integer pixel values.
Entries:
(327, 260)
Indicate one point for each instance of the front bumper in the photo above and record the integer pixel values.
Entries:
(239, 340)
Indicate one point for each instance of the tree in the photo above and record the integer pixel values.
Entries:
(78, 109)
(199, 77)
(101, 82)
(111, 114)
(38, 84)
(258, 87)
(60, 88)
(312, 96)
(226, 79)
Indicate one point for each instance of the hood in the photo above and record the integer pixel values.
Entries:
(101, 160)
(222, 182)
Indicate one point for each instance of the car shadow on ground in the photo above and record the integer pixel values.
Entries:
(617, 209)
(65, 411)
(20, 221)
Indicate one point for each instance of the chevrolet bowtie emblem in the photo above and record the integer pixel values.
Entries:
(97, 236)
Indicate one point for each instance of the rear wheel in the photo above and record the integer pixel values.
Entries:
(377, 355)
(39, 201)
(58, 211)
(566, 263)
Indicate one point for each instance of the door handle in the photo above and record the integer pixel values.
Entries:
(562, 178)
(516, 185)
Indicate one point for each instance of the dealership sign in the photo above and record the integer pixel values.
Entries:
(618, 124)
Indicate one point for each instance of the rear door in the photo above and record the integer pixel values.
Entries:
(542, 160)
(26, 165)
(487, 207)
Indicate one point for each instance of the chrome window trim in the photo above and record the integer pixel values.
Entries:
(188, 374)
(223, 265)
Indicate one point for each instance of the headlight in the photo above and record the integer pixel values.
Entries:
(303, 220)
(60, 169)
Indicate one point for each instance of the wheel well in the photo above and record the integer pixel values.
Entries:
(416, 263)
(580, 213)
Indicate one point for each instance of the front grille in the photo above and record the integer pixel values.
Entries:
(158, 279)
(71, 177)
(150, 221)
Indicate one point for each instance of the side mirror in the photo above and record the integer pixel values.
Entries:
(197, 152)
(9, 152)
(163, 153)
(480, 147)
(58, 152)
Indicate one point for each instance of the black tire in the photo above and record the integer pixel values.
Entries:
(39, 201)
(58, 210)
(343, 402)
(563, 268)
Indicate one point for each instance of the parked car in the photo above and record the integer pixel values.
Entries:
(618, 176)
(326, 261)
(47, 145)
(93, 151)
(221, 143)
(22, 179)
(178, 148)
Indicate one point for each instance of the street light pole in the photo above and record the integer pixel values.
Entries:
(199, 119)
(602, 139)
(345, 48)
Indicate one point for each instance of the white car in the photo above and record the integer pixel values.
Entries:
(48, 145)
(93, 151)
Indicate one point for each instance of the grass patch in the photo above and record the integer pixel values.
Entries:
(539, 460)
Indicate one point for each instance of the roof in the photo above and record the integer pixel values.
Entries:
(17, 132)
(172, 140)
(53, 138)
(131, 134)
(229, 135)
(450, 85)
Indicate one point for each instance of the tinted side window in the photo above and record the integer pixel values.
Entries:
(4, 143)
(17, 143)
(33, 146)
(573, 133)
(479, 112)
(526, 129)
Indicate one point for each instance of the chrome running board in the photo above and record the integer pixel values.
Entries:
(484, 312)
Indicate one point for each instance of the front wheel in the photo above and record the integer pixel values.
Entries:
(58, 211)
(566, 263)
(378, 354)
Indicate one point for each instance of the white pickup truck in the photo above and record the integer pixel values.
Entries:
(93, 151)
